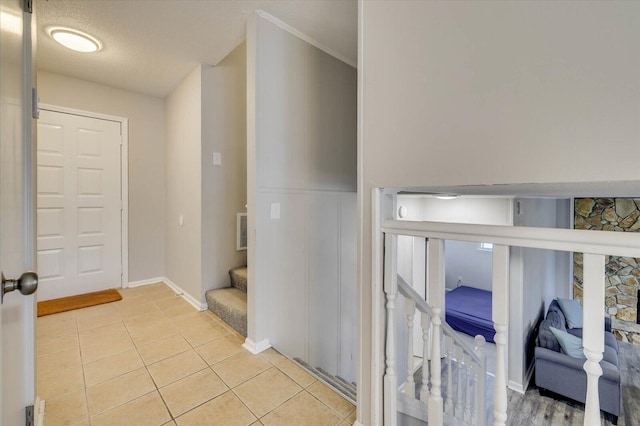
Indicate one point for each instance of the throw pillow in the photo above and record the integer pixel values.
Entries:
(572, 311)
(570, 344)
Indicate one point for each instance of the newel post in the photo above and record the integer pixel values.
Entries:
(390, 381)
(435, 289)
(593, 332)
(500, 313)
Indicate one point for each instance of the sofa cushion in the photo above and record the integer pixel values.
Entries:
(546, 339)
(570, 344)
(572, 310)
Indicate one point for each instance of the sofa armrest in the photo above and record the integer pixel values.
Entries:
(609, 371)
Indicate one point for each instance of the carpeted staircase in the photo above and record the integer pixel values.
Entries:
(230, 303)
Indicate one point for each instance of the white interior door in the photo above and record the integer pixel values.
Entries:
(79, 204)
(17, 313)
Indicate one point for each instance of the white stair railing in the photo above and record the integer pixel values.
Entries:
(463, 390)
(594, 245)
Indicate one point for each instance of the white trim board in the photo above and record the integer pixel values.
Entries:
(173, 286)
(256, 348)
(305, 37)
(124, 177)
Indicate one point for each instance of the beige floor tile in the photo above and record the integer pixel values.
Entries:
(112, 366)
(132, 311)
(351, 418)
(176, 367)
(266, 391)
(48, 364)
(200, 335)
(146, 410)
(330, 398)
(178, 310)
(68, 409)
(131, 300)
(100, 320)
(106, 347)
(151, 332)
(164, 348)
(240, 367)
(301, 410)
(115, 392)
(46, 346)
(273, 356)
(100, 334)
(219, 349)
(188, 393)
(52, 329)
(60, 382)
(192, 320)
(144, 320)
(169, 302)
(160, 292)
(298, 374)
(224, 410)
(96, 311)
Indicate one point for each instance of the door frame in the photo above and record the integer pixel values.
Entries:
(124, 177)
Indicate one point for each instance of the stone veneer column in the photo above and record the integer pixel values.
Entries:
(622, 273)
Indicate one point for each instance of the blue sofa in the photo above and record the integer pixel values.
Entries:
(561, 374)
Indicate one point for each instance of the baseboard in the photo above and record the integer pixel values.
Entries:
(146, 282)
(516, 387)
(186, 296)
(256, 348)
(357, 423)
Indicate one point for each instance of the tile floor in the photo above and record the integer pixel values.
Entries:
(151, 359)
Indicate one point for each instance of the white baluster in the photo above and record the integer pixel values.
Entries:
(500, 309)
(425, 321)
(469, 388)
(481, 380)
(410, 385)
(459, 406)
(391, 290)
(435, 287)
(593, 332)
(450, 392)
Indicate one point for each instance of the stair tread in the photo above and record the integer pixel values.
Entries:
(230, 304)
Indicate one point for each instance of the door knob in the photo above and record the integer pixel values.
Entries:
(27, 284)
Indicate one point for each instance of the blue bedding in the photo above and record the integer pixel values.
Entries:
(468, 310)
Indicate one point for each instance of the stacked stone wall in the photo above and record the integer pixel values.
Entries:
(622, 273)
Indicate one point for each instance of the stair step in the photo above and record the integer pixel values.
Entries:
(230, 304)
(238, 278)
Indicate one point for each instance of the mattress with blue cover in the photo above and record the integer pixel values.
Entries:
(468, 310)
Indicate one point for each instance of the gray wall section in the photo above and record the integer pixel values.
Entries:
(183, 179)
(146, 160)
(224, 188)
(306, 162)
(454, 101)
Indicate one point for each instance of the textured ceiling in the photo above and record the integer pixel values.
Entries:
(151, 45)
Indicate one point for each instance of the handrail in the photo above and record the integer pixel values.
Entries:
(407, 291)
(601, 242)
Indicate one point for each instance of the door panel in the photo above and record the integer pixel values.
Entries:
(17, 313)
(79, 204)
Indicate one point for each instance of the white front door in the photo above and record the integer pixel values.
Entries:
(17, 313)
(79, 204)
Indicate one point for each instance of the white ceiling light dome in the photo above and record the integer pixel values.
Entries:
(74, 39)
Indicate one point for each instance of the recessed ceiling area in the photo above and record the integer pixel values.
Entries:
(149, 46)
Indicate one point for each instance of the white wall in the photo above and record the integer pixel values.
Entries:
(464, 261)
(183, 112)
(224, 188)
(302, 157)
(489, 93)
(146, 160)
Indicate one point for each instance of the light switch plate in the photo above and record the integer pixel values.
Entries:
(275, 210)
(217, 159)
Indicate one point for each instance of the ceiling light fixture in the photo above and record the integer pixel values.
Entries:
(447, 196)
(74, 39)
